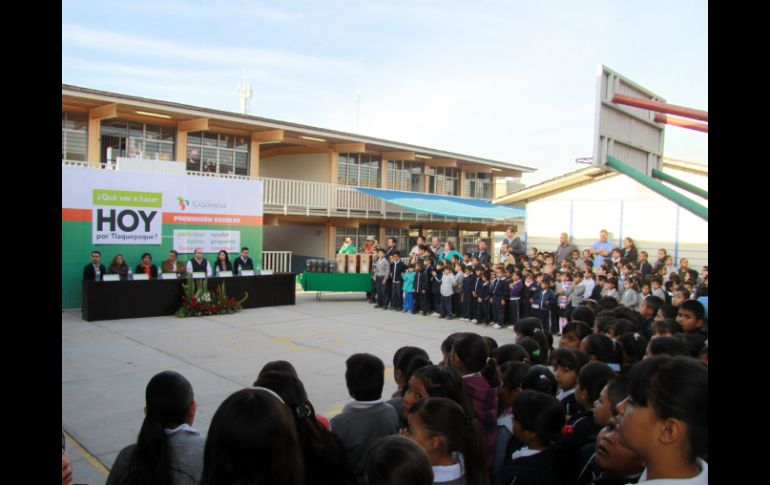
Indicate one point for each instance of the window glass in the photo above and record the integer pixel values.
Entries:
(193, 159)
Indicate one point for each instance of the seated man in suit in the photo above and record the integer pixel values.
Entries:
(243, 262)
(94, 270)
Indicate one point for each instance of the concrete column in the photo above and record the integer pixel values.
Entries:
(94, 134)
(254, 159)
(463, 190)
(181, 146)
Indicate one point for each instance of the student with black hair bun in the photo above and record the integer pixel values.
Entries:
(512, 376)
(665, 419)
(252, 439)
(634, 347)
(532, 348)
(538, 421)
(665, 328)
(573, 333)
(540, 378)
(670, 346)
(435, 381)
(509, 353)
(601, 348)
(471, 358)
(584, 314)
(397, 402)
(401, 360)
(168, 449)
(567, 364)
(533, 328)
(591, 380)
(323, 452)
(278, 366)
(451, 439)
(397, 460)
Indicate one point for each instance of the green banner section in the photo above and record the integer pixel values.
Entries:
(77, 247)
(126, 198)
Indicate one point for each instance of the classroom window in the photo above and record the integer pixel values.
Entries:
(405, 175)
(217, 153)
(444, 181)
(359, 169)
(74, 137)
(479, 185)
(136, 140)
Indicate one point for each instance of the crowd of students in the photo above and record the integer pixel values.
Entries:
(608, 406)
(545, 285)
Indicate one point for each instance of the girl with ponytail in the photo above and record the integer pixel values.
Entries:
(168, 450)
(471, 358)
(323, 452)
(449, 436)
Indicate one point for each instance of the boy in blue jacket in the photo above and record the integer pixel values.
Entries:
(542, 302)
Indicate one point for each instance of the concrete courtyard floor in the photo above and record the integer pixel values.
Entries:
(107, 364)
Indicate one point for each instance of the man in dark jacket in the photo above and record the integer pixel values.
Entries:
(483, 255)
(95, 270)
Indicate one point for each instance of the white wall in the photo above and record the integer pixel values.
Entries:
(625, 209)
(308, 166)
(300, 239)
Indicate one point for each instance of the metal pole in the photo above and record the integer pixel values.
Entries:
(662, 107)
(571, 215)
(676, 237)
(673, 120)
(679, 183)
(620, 236)
(659, 188)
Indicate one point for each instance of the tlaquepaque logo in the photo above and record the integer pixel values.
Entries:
(183, 203)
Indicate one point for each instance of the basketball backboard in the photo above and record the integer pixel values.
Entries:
(627, 133)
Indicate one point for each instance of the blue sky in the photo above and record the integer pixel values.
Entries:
(512, 81)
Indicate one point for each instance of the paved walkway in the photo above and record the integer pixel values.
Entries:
(106, 365)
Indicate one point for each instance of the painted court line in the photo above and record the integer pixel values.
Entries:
(92, 460)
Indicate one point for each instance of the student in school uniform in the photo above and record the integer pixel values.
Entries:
(469, 284)
(397, 269)
(447, 292)
(429, 269)
(499, 296)
(527, 293)
(541, 302)
(459, 274)
(482, 301)
(435, 287)
(567, 364)
(420, 290)
(516, 290)
(409, 300)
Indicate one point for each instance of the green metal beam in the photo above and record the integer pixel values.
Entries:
(659, 188)
(680, 183)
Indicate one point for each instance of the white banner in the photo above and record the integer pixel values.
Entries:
(127, 225)
(187, 240)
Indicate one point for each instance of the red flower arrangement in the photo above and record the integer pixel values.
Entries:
(199, 301)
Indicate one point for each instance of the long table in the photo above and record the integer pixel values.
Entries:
(110, 300)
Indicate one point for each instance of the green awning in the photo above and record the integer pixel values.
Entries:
(447, 205)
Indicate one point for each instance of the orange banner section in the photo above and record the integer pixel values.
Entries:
(211, 219)
(80, 215)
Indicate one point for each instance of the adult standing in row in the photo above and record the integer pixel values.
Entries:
(435, 247)
(416, 249)
(601, 248)
(449, 251)
(630, 253)
(515, 246)
(483, 254)
(565, 249)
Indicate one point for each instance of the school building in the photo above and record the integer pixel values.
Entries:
(583, 202)
(311, 175)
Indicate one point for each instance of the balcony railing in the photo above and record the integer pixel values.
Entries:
(276, 261)
(308, 198)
